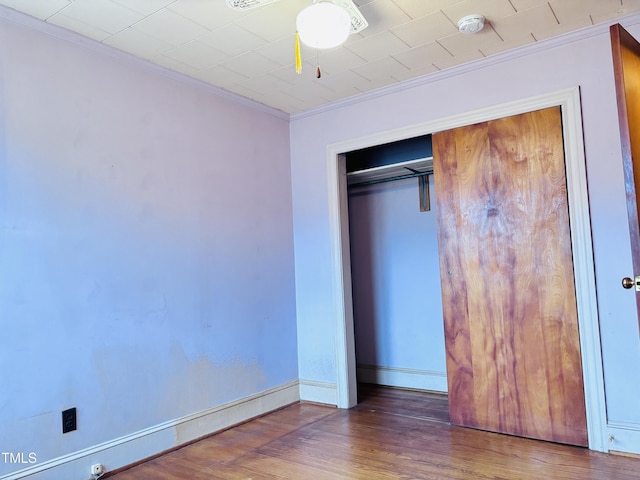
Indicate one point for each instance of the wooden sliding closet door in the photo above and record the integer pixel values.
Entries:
(511, 325)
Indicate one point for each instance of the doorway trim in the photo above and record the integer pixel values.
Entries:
(580, 225)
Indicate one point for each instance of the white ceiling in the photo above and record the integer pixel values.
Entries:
(251, 53)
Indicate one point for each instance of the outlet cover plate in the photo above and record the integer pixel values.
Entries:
(69, 420)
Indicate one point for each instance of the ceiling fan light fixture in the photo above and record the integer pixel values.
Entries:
(323, 25)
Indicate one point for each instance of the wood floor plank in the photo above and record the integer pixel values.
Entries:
(390, 434)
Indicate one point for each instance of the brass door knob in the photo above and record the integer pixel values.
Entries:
(627, 282)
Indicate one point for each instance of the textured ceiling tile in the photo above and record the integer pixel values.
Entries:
(304, 95)
(459, 59)
(382, 15)
(416, 9)
(251, 64)
(328, 78)
(266, 30)
(145, 7)
(460, 44)
(174, 65)
(171, 27)
(267, 83)
(377, 46)
(138, 43)
(336, 96)
(345, 83)
(567, 10)
(232, 39)
(284, 102)
(491, 9)
(337, 60)
(211, 14)
(559, 29)
(77, 26)
(37, 8)
(220, 76)
(382, 82)
(629, 6)
(355, 37)
(609, 17)
(274, 21)
(491, 49)
(310, 91)
(601, 14)
(102, 14)
(282, 51)
(197, 55)
(520, 5)
(381, 69)
(425, 29)
(289, 75)
(423, 56)
(244, 91)
(415, 73)
(287, 102)
(522, 24)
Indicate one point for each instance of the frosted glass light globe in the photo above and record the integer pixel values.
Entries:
(323, 25)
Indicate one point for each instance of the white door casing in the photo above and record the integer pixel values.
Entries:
(569, 101)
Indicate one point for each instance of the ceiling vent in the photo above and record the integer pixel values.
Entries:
(471, 24)
(248, 4)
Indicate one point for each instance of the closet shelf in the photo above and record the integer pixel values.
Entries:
(388, 173)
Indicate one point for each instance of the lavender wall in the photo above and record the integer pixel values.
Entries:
(583, 60)
(146, 265)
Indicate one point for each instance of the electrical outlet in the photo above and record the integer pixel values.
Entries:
(69, 423)
(97, 469)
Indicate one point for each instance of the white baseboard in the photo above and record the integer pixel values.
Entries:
(318, 392)
(624, 437)
(146, 443)
(403, 377)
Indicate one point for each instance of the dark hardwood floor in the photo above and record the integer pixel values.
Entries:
(391, 434)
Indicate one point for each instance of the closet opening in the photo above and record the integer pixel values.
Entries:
(395, 279)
